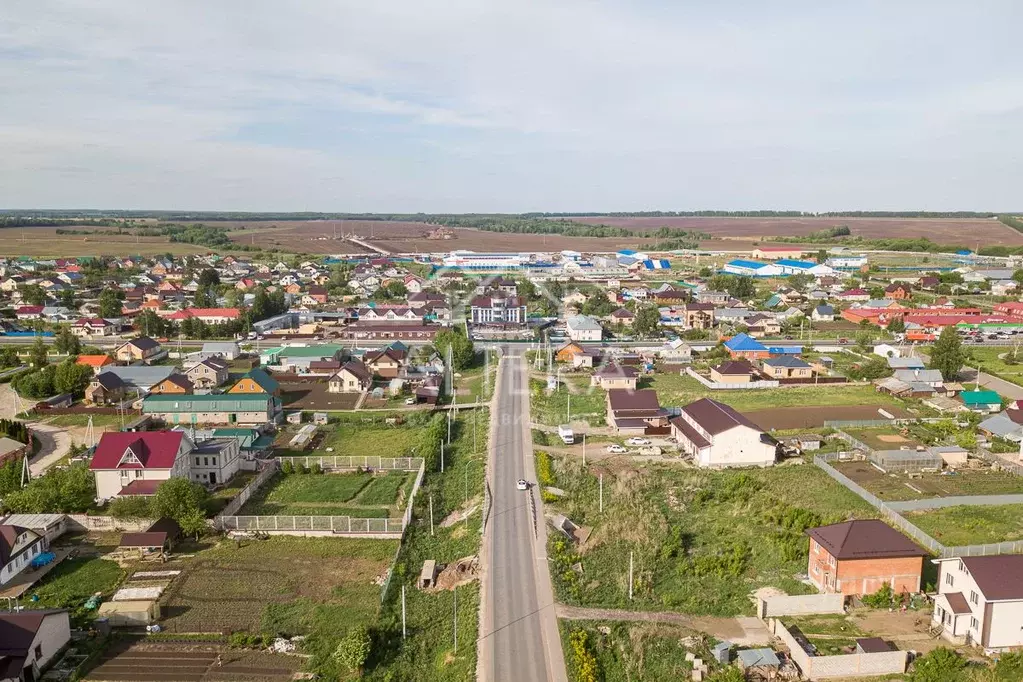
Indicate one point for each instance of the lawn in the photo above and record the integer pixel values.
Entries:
(988, 361)
(702, 540)
(971, 525)
(318, 587)
(223, 496)
(585, 402)
(342, 494)
(883, 438)
(369, 437)
(829, 634)
(73, 581)
(677, 390)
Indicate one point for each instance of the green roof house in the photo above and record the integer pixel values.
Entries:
(981, 401)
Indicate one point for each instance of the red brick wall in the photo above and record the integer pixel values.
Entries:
(864, 576)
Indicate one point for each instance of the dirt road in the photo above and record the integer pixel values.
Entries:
(742, 631)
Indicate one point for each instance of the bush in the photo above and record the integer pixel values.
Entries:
(882, 599)
(302, 468)
(585, 661)
(131, 508)
(544, 470)
(940, 665)
(287, 468)
(316, 468)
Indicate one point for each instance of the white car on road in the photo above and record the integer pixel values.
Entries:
(616, 449)
(521, 484)
(637, 441)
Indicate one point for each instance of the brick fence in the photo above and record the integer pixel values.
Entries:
(843, 665)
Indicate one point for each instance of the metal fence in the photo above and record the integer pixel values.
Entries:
(900, 522)
(343, 463)
(855, 442)
(861, 423)
(248, 491)
(1007, 466)
(345, 525)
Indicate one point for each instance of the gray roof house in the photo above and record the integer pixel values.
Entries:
(931, 377)
(142, 377)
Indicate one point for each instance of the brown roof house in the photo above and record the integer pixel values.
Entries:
(353, 377)
(635, 412)
(30, 640)
(732, 372)
(209, 373)
(18, 546)
(615, 376)
(718, 436)
(980, 600)
(142, 349)
(106, 388)
(385, 363)
(859, 557)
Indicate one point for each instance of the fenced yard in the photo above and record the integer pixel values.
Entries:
(900, 487)
(964, 525)
(356, 494)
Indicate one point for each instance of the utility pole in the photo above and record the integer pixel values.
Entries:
(442, 458)
(630, 574)
(456, 619)
(431, 515)
(568, 406)
(403, 632)
(449, 427)
(602, 493)
(584, 449)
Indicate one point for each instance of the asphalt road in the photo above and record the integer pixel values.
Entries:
(519, 629)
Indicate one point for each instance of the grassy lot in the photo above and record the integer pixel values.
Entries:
(371, 437)
(469, 381)
(971, 525)
(46, 243)
(318, 587)
(72, 582)
(630, 651)
(830, 634)
(675, 389)
(988, 360)
(428, 652)
(896, 486)
(329, 495)
(98, 420)
(587, 404)
(702, 540)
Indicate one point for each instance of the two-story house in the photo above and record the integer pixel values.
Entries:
(615, 376)
(137, 463)
(353, 377)
(717, 436)
(142, 349)
(214, 461)
(499, 309)
(980, 600)
(30, 640)
(860, 557)
(18, 546)
(209, 373)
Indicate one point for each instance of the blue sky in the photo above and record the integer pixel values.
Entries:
(556, 105)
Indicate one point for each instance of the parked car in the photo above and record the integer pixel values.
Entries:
(410, 401)
(521, 484)
(616, 449)
(637, 441)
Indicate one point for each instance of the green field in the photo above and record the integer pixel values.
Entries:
(971, 525)
(586, 403)
(675, 389)
(73, 581)
(702, 540)
(98, 420)
(364, 495)
(896, 487)
(988, 361)
(370, 437)
(318, 587)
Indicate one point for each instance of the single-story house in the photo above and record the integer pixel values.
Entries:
(786, 367)
(732, 372)
(981, 401)
(744, 346)
(615, 376)
(353, 377)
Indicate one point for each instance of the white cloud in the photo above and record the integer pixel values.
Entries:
(463, 105)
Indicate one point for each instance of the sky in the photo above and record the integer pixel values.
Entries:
(511, 106)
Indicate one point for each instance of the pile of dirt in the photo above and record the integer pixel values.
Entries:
(458, 573)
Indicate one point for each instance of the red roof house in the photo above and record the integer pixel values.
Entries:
(142, 459)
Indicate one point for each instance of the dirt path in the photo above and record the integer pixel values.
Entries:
(742, 631)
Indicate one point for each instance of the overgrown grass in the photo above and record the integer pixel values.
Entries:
(701, 540)
(587, 404)
(971, 525)
(988, 361)
(631, 651)
(428, 652)
(73, 581)
(383, 489)
(362, 495)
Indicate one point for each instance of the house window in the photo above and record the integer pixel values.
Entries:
(961, 566)
(38, 651)
(214, 460)
(949, 580)
(974, 623)
(138, 473)
(205, 461)
(974, 598)
(197, 461)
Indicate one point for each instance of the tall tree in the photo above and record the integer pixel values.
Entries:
(66, 342)
(70, 377)
(39, 355)
(462, 350)
(648, 318)
(33, 294)
(110, 303)
(947, 355)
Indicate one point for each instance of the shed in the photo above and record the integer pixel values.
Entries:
(951, 455)
(872, 645)
(320, 418)
(293, 418)
(428, 576)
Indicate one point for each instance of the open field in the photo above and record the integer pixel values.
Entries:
(971, 525)
(702, 540)
(143, 661)
(575, 394)
(986, 232)
(630, 651)
(989, 361)
(74, 580)
(370, 437)
(317, 587)
(895, 487)
(45, 242)
(362, 495)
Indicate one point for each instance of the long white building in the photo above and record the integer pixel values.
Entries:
(471, 260)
